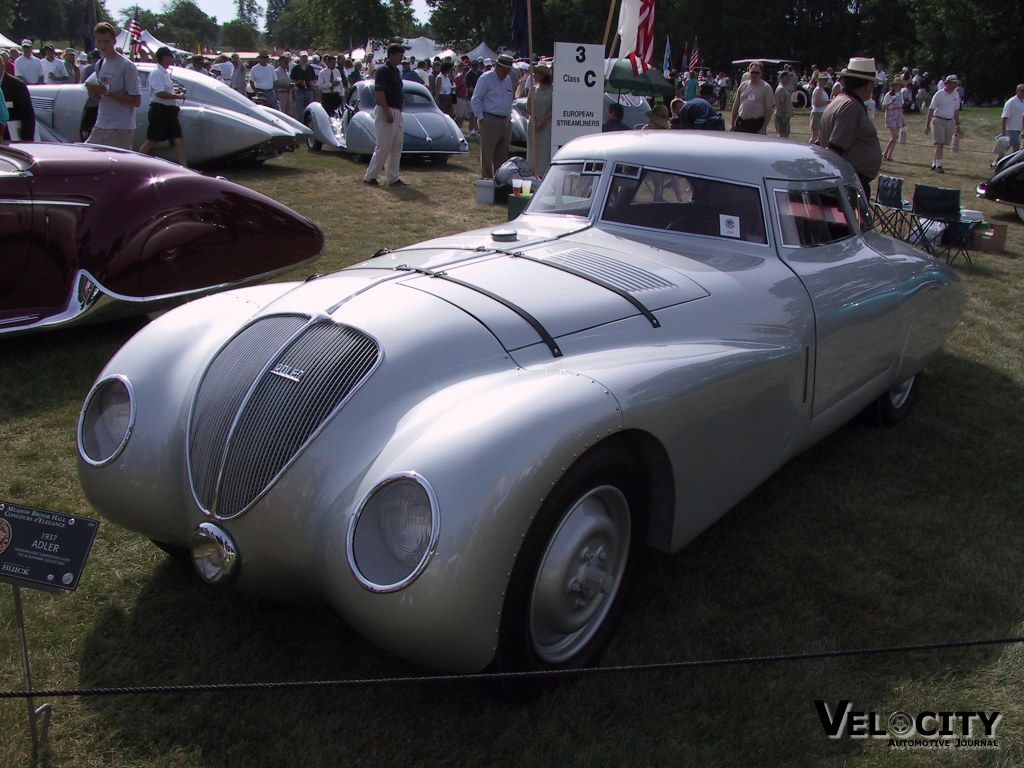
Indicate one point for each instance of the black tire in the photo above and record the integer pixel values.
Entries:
(570, 583)
(1020, 211)
(175, 551)
(311, 142)
(439, 159)
(895, 404)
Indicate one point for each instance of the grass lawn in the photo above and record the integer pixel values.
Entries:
(872, 538)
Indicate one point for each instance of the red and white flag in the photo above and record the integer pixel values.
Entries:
(636, 29)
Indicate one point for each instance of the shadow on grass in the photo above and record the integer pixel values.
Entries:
(872, 538)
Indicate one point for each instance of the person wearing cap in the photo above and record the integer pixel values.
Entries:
(71, 65)
(239, 77)
(492, 105)
(28, 68)
(262, 77)
(754, 103)
(283, 85)
(54, 70)
(658, 118)
(389, 126)
(163, 108)
(784, 104)
(304, 77)
(696, 113)
(328, 82)
(116, 84)
(846, 128)
(943, 119)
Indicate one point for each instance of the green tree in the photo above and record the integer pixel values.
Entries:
(237, 35)
(338, 21)
(188, 27)
(249, 11)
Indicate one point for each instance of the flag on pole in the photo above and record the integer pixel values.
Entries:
(134, 35)
(636, 29)
(695, 55)
(666, 62)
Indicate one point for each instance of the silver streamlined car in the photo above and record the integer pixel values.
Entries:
(218, 124)
(462, 445)
(429, 132)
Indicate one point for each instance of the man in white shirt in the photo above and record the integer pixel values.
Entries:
(263, 77)
(28, 68)
(328, 83)
(54, 70)
(1011, 121)
(944, 111)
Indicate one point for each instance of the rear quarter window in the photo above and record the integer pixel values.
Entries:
(812, 217)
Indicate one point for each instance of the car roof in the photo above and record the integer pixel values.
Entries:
(738, 157)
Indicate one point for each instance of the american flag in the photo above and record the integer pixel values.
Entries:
(135, 34)
(695, 56)
(636, 29)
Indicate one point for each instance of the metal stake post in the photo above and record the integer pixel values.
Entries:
(38, 734)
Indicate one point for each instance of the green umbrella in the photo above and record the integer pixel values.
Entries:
(650, 82)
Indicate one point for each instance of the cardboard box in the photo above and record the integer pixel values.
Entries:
(991, 240)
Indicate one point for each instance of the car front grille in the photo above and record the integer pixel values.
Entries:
(263, 397)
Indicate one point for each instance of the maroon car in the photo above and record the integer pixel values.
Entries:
(89, 234)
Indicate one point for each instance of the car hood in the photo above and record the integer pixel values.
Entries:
(556, 278)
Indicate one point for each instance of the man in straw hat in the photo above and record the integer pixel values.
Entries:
(492, 105)
(846, 128)
(943, 118)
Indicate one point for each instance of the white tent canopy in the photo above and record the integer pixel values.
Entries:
(6, 42)
(420, 47)
(482, 51)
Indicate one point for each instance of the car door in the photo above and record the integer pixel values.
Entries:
(15, 234)
(854, 290)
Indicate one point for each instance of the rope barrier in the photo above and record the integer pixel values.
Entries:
(476, 677)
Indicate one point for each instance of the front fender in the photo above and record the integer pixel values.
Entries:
(491, 448)
(319, 123)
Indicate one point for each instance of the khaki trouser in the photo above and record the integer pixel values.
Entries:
(495, 135)
(388, 152)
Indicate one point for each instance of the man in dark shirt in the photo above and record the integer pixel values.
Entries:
(16, 94)
(697, 112)
(304, 77)
(613, 118)
(387, 120)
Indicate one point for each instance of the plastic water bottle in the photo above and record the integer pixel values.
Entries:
(956, 142)
(903, 135)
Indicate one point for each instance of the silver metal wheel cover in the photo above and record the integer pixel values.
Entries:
(579, 574)
(898, 394)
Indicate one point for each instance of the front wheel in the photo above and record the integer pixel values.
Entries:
(312, 143)
(569, 586)
(894, 406)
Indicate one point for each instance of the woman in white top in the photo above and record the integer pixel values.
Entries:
(819, 100)
(892, 105)
(443, 89)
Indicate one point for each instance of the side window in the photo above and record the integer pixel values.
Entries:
(860, 207)
(812, 218)
(673, 202)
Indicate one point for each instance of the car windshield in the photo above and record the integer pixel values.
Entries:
(567, 189)
(656, 199)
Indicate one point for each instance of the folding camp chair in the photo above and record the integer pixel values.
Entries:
(939, 205)
(891, 210)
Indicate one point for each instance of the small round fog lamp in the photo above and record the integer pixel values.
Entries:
(214, 555)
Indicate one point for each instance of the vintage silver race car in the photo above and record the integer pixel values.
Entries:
(218, 124)
(463, 445)
(429, 132)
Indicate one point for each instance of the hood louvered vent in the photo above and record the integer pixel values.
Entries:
(613, 271)
(263, 397)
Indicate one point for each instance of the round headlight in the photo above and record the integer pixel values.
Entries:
(106, 421)
(214, 555)
(393, 533)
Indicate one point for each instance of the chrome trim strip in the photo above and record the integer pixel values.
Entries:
(36, 201)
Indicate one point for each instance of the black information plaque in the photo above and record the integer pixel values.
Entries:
(43, 549)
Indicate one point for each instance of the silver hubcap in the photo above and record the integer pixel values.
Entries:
(579, 575)
(898, 395)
